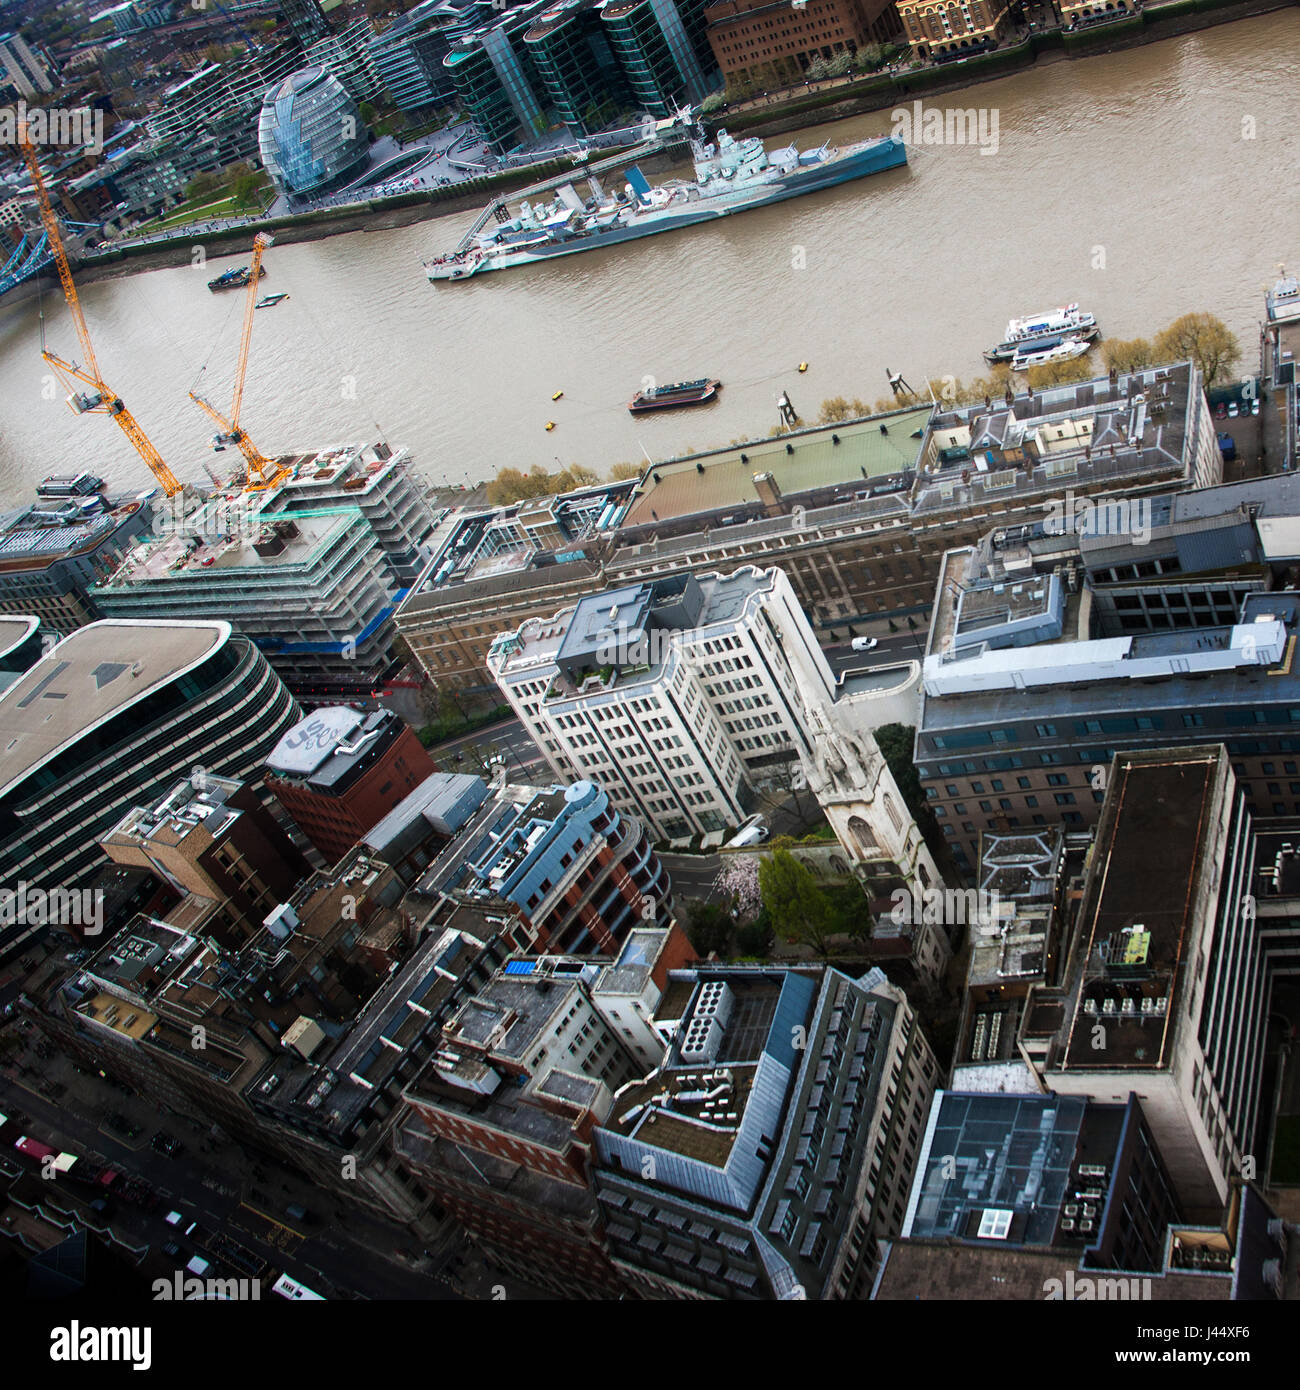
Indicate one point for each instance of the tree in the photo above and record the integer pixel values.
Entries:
(622, 471)
(1126, 354)
(201, 185)
(834, 410)
(798, 908)
(1206, 340)
(574, 476)
(895, 743)
(1061, 373)
(513, 485)
(756, 938)
(708, 928)
(787, 781)
(244, 188)
(737, 881)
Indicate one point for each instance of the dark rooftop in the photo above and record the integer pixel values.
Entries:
(1139, 909)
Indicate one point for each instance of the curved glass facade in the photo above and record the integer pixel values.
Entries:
(497, 83)
(573, 58)
(642, 51)
(226, 714)
(310, 133)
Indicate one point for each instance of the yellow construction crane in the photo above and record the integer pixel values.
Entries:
(101, 399)
(262, 471)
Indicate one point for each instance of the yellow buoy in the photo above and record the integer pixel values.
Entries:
(550, 425)
(803, 366)
(557, 395)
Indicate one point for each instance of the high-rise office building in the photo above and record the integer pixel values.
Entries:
(408, 55)
(111, 717)
(775, 1145)
(24, 68)
(583, 81)
(673, 695)
(663, 50)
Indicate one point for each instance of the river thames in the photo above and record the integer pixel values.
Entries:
(1143, 185)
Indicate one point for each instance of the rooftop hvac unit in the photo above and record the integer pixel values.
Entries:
(702, 1039)
(1067, 1224)
(715, 1001)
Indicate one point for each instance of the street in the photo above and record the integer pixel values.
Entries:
(890, 650)
(341, 1252)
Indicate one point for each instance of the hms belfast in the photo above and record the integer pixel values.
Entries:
(731, 176)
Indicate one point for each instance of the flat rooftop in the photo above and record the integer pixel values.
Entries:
(814, 461)
(15, 630)
(539, 642)
(88, 678)
(507, 1015)
(204, 547)
(1061, 688)
(1092, 431)
(996, 1168)
(1140, 907)
(696, 1109)
(26, 543)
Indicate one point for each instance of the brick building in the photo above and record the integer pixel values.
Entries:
(339, 772)
(211, 838)
(934, 27)
(749, 36)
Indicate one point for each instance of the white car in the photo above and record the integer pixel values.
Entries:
(752, 832)
(865, 644)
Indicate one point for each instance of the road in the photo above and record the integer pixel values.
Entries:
(507, 740)
(348, 1253)
(891, 649)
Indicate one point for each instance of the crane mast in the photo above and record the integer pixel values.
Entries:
(104, 400)
(262, 471)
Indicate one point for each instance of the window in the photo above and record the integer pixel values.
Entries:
(1064, 798)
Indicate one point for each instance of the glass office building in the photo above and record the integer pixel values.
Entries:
(310, 134)
(658, 45)
(409, 55)
(583, 80)
(497, 82)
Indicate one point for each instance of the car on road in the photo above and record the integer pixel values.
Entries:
(168, 1144)
(865, 644)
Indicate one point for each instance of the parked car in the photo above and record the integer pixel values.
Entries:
(1221, 411)
(865, 644)
(168, 1144)
(752, 832)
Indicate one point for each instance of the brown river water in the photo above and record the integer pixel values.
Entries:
(1141, 184)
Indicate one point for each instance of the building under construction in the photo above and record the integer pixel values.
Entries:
(310, 568)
